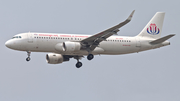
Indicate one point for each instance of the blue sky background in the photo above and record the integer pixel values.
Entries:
(146, 76)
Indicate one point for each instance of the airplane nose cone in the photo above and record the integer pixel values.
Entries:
(8, 44)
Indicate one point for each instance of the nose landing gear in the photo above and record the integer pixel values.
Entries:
(28, 58)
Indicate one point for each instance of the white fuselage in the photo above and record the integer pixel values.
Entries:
(62, 47)
(46, 42)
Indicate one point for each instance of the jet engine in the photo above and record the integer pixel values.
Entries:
(68, 46)
(56, 58)
(71, 46)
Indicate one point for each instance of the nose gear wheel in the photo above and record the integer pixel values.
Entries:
(28, 58)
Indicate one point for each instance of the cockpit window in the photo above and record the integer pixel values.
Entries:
(19, 36)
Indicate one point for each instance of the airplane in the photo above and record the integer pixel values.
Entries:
(62, 47)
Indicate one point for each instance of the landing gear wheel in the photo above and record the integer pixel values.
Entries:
(90, 56)
(28, 59)
(78, 64)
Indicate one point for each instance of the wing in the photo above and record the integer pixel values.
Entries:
(93, 41)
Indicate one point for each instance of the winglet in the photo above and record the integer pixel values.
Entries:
(131, 15)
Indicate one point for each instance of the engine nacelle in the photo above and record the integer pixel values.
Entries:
(55, 58)
(71, 46)
(59, 47)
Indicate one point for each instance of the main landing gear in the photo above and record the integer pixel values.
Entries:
(78, 64)
(28, 58)
(90, 56)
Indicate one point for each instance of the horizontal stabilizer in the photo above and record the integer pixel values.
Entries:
(160, 40)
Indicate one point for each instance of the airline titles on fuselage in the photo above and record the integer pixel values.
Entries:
(76, 38)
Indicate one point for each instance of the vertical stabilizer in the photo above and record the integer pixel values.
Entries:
(154, 27)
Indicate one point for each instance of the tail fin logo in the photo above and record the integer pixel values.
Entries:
(152, 29)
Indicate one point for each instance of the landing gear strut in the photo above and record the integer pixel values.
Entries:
(78, 64)
(90, 56)
(28, 58)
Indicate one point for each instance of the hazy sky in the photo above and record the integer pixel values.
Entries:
(152, 75)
